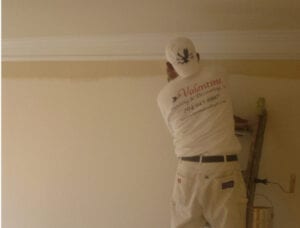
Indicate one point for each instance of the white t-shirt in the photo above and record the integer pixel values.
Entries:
(198, 112)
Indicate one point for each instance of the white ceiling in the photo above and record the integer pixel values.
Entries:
(119, 29)
(34, 18)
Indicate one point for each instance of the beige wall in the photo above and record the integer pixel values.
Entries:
(84, 144)
(94, 69)
(280, 156)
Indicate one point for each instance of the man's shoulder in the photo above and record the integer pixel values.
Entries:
(165, 91)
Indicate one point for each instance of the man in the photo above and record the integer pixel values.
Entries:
(195, 104)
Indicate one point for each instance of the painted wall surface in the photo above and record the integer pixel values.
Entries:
(280, 155)
(85, 154)
(94, 152)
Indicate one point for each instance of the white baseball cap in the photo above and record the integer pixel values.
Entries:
(181, 53)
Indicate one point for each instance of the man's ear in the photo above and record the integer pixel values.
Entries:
(171, 72)
(170, 65)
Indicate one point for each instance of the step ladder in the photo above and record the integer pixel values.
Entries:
(251, 172)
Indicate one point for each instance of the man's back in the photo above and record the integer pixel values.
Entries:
(198, 112)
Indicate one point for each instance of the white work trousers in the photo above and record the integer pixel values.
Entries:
(209, 195)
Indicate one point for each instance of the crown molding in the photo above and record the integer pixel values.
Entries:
(211, 45)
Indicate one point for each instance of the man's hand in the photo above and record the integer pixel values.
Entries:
(241, 124)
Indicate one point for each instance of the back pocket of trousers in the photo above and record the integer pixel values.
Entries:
(183, 188)
(228, 189)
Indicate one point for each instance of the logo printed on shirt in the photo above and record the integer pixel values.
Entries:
(174, 99)
(196, 88)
